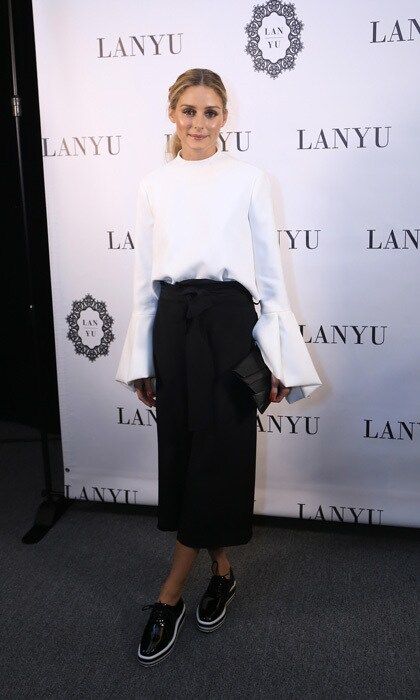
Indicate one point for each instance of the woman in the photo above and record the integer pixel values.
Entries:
(206, 247)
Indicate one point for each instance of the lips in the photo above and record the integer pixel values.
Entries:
(197, 138)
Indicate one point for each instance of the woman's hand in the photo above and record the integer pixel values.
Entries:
(278, 390)
(144, 390)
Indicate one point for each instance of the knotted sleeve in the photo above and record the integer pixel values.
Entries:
(136, 359)
(277, 332)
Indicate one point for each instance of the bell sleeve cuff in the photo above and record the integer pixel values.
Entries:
(136, 359)
(285, 353)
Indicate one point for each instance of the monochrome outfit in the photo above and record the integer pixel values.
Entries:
(206, 253)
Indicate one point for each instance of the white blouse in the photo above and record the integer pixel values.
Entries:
(213, 218)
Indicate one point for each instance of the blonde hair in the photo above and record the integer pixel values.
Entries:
(193, 76)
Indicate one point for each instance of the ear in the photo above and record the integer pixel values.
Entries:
(226, 113)
(170, 114)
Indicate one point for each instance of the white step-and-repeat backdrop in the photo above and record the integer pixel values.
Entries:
(325, 98)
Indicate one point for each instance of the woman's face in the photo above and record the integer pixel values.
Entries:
(199, 113)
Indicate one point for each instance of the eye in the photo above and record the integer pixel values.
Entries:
(211, 113)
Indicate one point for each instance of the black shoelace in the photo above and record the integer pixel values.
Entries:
(217, 582)
(159, 611)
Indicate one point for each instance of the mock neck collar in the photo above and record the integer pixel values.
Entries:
(201, 162)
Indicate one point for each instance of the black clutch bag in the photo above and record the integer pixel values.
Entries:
(257, 376)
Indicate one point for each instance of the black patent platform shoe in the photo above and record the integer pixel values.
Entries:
(211, 610)
(161, 631)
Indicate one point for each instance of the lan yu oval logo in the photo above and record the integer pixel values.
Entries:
(274, 37)
(90, 327)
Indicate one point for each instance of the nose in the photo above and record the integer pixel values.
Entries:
(197, 124)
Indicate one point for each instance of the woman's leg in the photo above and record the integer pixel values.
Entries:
(219, 555)
(183, 559)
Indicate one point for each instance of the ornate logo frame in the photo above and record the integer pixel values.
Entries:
(88, 302)
(286, 10)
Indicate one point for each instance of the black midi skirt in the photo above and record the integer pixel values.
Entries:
(206, 419)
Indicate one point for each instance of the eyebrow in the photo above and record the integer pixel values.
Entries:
(208, 106)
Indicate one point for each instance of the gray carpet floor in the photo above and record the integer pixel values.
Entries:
(320, 611)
